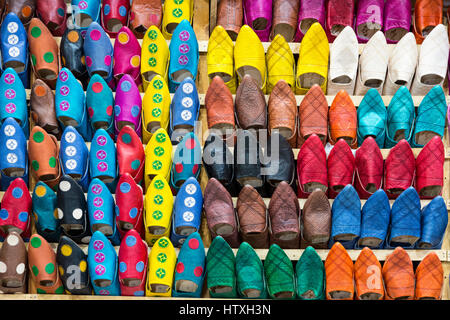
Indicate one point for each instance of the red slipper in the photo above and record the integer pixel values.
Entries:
(130, 154)
(341, 168)
(369, 168)
(430, 169)
(399, 169)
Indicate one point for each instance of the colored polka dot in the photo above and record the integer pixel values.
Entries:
(38, 137)
(33, 59)
(60, 290)
(108, 60)
(17, 193)
(125, 86)
(35, 165)
(126, 138)
(106, 9)
(97, 87)
(36, 32)
(95, 35)
(153, 48)
(88, 61)
(4, 214)
(91, 112)
(190, 144)
(35, 242)
(26, 11)
(139, 293)
(135, 61)
(61, 270)
(83, 266)
(61, 12)
(123, 38)
(135, 111)
(35, 271)
(180, 267)
(23, 216)
(73, 36)
(50, 268)
(140, 266)
(133, 213)
(198, 271)
(117, 110)
(193, 244)
(123, 11)
(130, 241)
(125, 187)
(48, 57)
(122, 266)
(179, 167)
(52, 162)
(109, 110)
(39, 91)
(66, 250)
(152, 62)
(135, 164)
(195, 169)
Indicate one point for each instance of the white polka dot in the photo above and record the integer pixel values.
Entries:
(187, 102)
(188, 216)
(70, 137)
(188, 88)
(9, 130)
(11, 158)
(71, 164)
(71, 151)
(64, 186)
(13, 39)
(14, 52)
(186, 115)
(13, 27)
(20, 268)
(191, 188)
(11, 144)
(60, 214)
(189, 202)
(77, 213)
(3, 267)
(12, 240)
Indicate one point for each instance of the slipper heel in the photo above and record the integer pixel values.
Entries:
(174, 14)
(43, 111)
(129, 206)
(368, 276)
(84, 13)
(54, 15)
(72, 54)
(45, 212)
(114, 15)
(13, 260)
(158, 157)
(145, 14)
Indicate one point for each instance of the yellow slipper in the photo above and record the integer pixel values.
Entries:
(249, 57)
(161, 267)
(158, 157)
(176, 11)
(158, 205)
(155, 108)
(280, 63)
(312, 67)
(155, 56)
(220, 57)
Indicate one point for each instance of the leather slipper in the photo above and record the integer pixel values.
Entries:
(368, 19)
(396, 19)
(400, 118)
(174, 14)
(310, 276)
(100, 105)
(372, 118)
(310, 12)
(24, 9)
(341, 168)
(251, 110)
(130, 154)
(145, 14)
(45, 212)
(54, 15)
(258, 15)
(430, 169)
(84, 13)
(72, 54)
(154, 56)
(230, 15)
(399, 169)
(251, 280)
(434, 220)
(282, 109)
(429, 278)
(219, 107)
(280, 274)
(343, 120)
(339, 15)
(427, 15)
(43, 111)
(158, 156)
(368, 277)
(114, 15)
(285, 17)
(128, 106)
(398, 275)
(13, 264)
(280, 64)
(102, 159)
(316, 220)
(127, 56)
(339, 274)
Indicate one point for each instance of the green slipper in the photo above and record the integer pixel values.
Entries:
(310, 274)
(279, 274)
(251, 282)
(220, 270)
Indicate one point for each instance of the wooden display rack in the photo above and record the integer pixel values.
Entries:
(202, 28)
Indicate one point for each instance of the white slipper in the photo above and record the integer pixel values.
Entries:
(433, 62)
(402, 65)
(373, 65)
(344, 56)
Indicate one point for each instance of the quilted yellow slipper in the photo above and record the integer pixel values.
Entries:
(155, 56)
(155, 108)
(161, 267)
(249, 57)
(280, 63)
(176, 11)
(312, 67)
(220, 58)
(158, 205)
(158, 156)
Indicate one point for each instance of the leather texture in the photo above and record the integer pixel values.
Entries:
(280, 63)
(369, 19)
(53, 14)
(427, 15)
(114, 15)
(258, 15)
(144, 14)
(128, 106)
(279, 273)
(230, 15)
(282, 109)
(434, 221)
(127, 56)
(369, 168)
(42, 103)
(398, 275)
(396, 19)
(341, 168)
(309, 11)
(400, 118)
(429, 278)
(130, 154)
(285, 17)
(14, 256)
(399, 169)
(343, 119)
(248, 156)
(72, 54)
(154, 56)
(339, 15)
(219, 106)
(251, 109)
(279, 164)
(430, 169)
(310, 275)
(372, 118)
(339, 273)
(368, 277)
(316, 219)
(313, 116)
(99, 103)
(129, 206)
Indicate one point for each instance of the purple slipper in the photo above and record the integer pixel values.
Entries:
(369, 19)
(128, 106)
(258, 15)
(397, 19)
(127, 56)
(310, 11)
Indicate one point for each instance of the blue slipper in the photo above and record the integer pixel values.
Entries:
(14, 47)
(184, 110)
(186, 162)
(404, 229)
(102, 159)
(74, 157)
(100, 105)
(372, 117)
(190, 269)
(70, 104)
(99, 53)
(375, 221)
(431, 116)
(13, 100)
(434, 220)
(14, 158)
(45, 212)
(103, 266)
(102, 215)
(187, 211)
(184, 55)
(400, 118)
(84, 12)
(346, 218)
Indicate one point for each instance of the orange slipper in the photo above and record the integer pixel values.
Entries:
(398, 275)
(368, 278)
(429, 278)
(339, 274)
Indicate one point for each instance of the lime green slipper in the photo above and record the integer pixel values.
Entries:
(251, 281)
(310, 274)
(279, 274)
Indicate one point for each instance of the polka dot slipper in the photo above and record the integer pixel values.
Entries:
(155, 108)
(13, 262)
(43, 153)
(114, 15)
(44, 52)
(99, 53)
(13, 101)
(72, 210)
(72, 54)
(144, 14)
(154, 56)
(14, 46)
(103, 266)
(187, 211)
(53, 14)
(158, 156)
(158, 205)
(45, 213)
(42, 266)
(24, 9)
(84, 13)
(130, 154)
(100, 105)
(129, 206)
(74, 156)
(190, 268)
(175, 12)
(43, 112)
(15, 210)
(70, 103)
(102, 159)
(101, 206)
(187, 161)
(72, 267)
(184, 110)
(184, 55)
(127, 111)
(14, 161)
(161, 263)
(133, 261)
(127, 56)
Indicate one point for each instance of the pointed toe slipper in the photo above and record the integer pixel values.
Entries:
(54, 15)
(43, 111)
(128, 106)
(398, 276)
(130, 154)
(220, 107)
(13, 259)
(100, 105)
(368, 19)
(251, 280)
(158, 157)
(175, 12)
(430, 169)
(154, 56)
(399, 169)
(129, 206)
(341, 168)
(310, 276)
(339, 15)
(230, 16)
(84, 13)
(258, 15)
(102, 159)
(72, 54)
(45, 212)
(309, 12)
(282, 110)
(285, 17)
(280, 274)
(396, 19)
(369, 168)
(434, 220)
(343, 120)
(368, 276)
(280, 64)
(316, 220)
(429, 278)
(427, 15)
(400, 118)
(339, 272)
(114, 15)
(127, 56)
